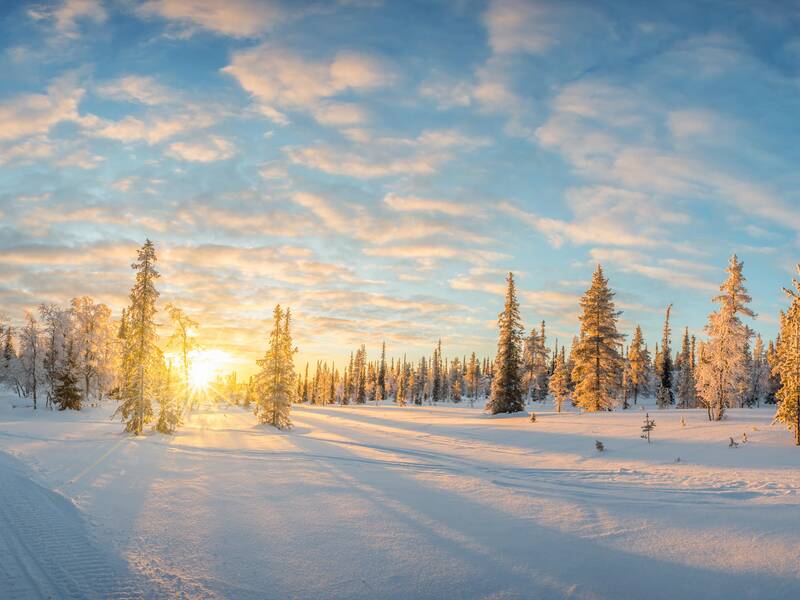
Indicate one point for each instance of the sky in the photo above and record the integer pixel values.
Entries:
(379, 166)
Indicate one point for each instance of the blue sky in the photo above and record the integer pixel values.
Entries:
(379, 166)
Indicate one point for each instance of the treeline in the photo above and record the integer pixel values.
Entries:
(78, 354)
(730, 368)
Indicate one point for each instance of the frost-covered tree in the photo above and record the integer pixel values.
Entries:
(507, 390)
(94, 345)
(31, 357)
(721, 371)
(559, 381)
(473, 377)
(758, 383)
(456, 381)
(638, 366)
(142, 361)
(276, 380)
(664, 395)
(535, 364)
(786, 364)
(56, 331)
(169, 409)
(9, 362)
(598, 362)
(381, 382)
(183, 340)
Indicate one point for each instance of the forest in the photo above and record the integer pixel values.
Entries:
(64, 357)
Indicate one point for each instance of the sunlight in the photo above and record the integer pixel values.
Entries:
(204, 366)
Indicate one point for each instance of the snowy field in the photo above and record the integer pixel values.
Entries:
(386, 502)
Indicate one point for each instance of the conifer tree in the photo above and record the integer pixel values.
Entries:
(381, 383)
(507, 391)
(67, 394)
(721, 372)
(169, 410)
(9, 358)
(598, 363)
(559, 382)
(759, 375)
(664, 394)
(142, 360)
(276, 380)
(786, 364)
(638, 365)
(685, 384)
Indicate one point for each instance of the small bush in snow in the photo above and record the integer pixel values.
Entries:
(599, 445)
(649, 425)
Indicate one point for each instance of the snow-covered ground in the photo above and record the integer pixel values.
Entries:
(387, 502)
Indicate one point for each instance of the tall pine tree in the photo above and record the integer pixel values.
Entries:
(142, 361)
(598, 363)
(722, 370)
(664, 395)
(507, 390)
(786, 364)
(276, 381)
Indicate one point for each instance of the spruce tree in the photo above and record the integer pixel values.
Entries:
(721, 372)
(169, 414)
(67, 394)
(786, 364)
(598, 363)
(381, 393)
(559, 382)
(276, 380)
(664, 395)
(685, 385)
(142, 361)
(507, 391)
(638, 365)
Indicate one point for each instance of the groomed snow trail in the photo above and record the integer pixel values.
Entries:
(385, 503)
(45, 548)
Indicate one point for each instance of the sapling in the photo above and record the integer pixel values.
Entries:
(648, 426)
(733, 444)
(533, 417)
(599, 445)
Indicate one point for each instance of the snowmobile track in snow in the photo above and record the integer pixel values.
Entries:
(45, 548)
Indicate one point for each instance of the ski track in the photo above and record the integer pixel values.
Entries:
(45, 548)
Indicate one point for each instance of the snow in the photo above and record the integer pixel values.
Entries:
(386, 502)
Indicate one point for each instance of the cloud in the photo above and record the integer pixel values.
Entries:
(610, 136)
(136, 88)
(152, 129)
(672, 272)
(236, 18)
(426, 254)
(66, 15)
(279, 79)
(386, 156)
(339, 114)
(356, 222)
(31, 114)
(427, 205)
(208, 149)
(520, 26)
(605, 215)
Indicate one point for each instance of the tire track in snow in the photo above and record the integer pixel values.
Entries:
(45, 548)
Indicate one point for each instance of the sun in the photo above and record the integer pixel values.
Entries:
(204, 366)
